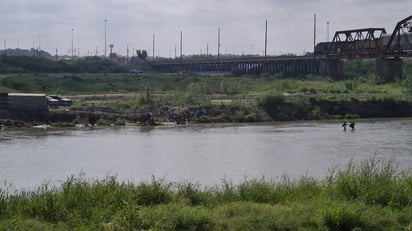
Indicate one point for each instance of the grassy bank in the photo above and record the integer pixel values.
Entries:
(370, 195)
(75, 84)
(279, 107)
(121, 98)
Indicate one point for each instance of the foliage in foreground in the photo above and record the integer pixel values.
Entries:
(370, 195)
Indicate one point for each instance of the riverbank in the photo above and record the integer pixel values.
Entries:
(152, 98)
(118, 110)
(369, 195)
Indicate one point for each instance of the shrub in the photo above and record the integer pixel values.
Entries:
(189, 193)
(157, 192)
(120, 122)
(343, 217)
(371, 181)
(175, 217)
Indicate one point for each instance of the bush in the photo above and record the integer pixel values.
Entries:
(189, 193)
(157, 192)
(103, 122)
(369, 195)
(343, 217)
(372, 181)
(257, 191)
(120, 122)
(175, 217)
(27, 64)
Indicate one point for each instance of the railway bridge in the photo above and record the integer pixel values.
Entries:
(327, 59)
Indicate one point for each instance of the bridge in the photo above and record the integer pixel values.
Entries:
(326, 60)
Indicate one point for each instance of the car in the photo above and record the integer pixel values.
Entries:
(136, 71)
(58, 100)
(52, 101)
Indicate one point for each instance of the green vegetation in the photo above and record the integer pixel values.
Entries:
(227, 98)
(25, 64)
(370, 195)
(281, 108)
(74, 84)
(77, 79)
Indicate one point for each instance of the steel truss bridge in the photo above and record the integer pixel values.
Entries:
(368, 43)
(290, 66)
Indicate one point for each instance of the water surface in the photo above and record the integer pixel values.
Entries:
(204, 154)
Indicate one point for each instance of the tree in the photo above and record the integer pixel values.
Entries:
(142, 54)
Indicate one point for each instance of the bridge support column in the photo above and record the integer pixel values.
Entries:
(332, 68)
(388, 70)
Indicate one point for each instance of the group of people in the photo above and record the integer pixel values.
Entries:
(351, 125)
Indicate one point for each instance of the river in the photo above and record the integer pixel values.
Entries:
(206, 154)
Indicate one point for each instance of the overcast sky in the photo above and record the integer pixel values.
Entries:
(49, 23)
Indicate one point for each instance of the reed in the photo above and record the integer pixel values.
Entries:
(367, 195)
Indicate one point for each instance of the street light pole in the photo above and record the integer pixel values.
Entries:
(218, 44)
(72, 47)
(181, 47)
(153, 47)
(127, 54)
(105, 41)
(314, 35)
(266, 40)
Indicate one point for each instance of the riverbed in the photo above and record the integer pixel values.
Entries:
(206, 154)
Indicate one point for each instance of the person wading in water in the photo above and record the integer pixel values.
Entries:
(352, 125)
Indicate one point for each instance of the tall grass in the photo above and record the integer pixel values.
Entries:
(74, 84)
(367, 195)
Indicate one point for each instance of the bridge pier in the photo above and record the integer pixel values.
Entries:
(389, 69)
(332, 68)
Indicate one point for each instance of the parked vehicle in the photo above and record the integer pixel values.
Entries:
(58, 100)
(136, 71)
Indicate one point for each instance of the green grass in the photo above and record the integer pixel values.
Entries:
(308, 98)
(74, 84)
(369, 195)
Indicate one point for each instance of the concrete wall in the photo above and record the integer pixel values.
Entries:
(32, 103)
(3, 101)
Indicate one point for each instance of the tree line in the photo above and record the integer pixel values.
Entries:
(25, 64)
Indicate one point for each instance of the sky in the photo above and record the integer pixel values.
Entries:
(51, 24)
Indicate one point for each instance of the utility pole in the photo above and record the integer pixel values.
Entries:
(153, 47)
(266, 40)
(5, 48)
(327, 31)
(127, 54)
(72, 48)
(218, 44)
(105, 40)
(314, 35)
(207, 51)
(181, 47)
